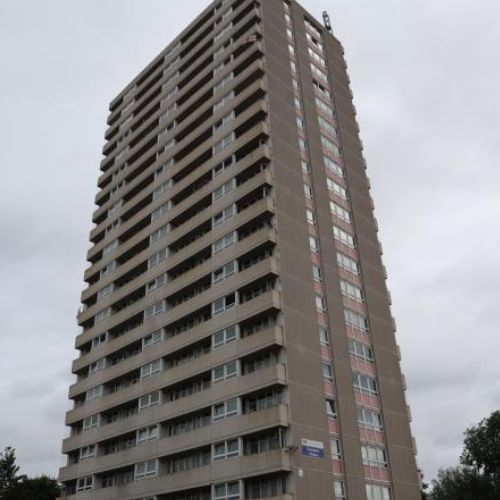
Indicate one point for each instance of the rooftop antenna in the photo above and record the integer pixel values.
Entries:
(326, 20)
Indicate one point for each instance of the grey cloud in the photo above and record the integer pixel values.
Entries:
(425, 79)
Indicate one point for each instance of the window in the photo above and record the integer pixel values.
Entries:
(351, 291)
(330, 146)
(314, 41)
(374, 456)
(94, 393)
(108, 268)
(365, 384)
(333, 167)
(223, 121)
(312, 28)
(327, 371)
(317, 273)
(220, 167)
(336, 189)
(331, 410)
(226, 449)
(99, 340)
(302, 144)
(326, 126)
(305, 167)
(159, 234)
(223, 216)
(146, 469)
(343, 237)
(224, 272)
(156, 214)
(224, 189)
(289, 33)
(316, 57)
(149, 400)
(110, 247)
(151, 368)
(361, 351)
(102, 315)
(294, 70)
(324, 337)
(227, 491)
(320, 303)
(261, 443)
(222, 243)
(223, 304)
(300, 123)
(355, 320)
(225, 336)
(90, 422)
(222, 83)
(155, 259)
(314, 244)
(318, 74)
(222, 102)
(85, 483)
(348, 264)
(311, 217)
(376, 492)
(162, 189)
(340, 212)
(156, 283)
(152, 339)
(339, 490)
(148, 434)
(107, 290)
(323, 107)
(368, 419)
(291, 50)
(225, 372)
(335, 452)
(87, 452)
(308, 191)
(155, 309)
(97, 366)
(227, 409)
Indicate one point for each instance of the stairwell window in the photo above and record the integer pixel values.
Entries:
(152, 339)
(361, 351)
(147, 434)
(90, 422)
(339, 490)
(314, 244)
(146, 469)
(335, 451)
(224, 304)
(158, 308)
(327, 371)
(376, 492)
(351, 291)
(224, 215)
(94, 393)
(147, 371)
(320, 303)
(348, 264)
(333, 167)
(225, 372)
(374, 456)
(368, 419)
(343, 237)
(149, 400)
(227, 491)
(225, 336)
(365, 384)
(222, 243)
(340, 212)
(226, 449)
(324, 337)
(336, 189)
(355, 320)
(227, 409)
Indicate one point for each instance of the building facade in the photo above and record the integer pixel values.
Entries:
(237, 340)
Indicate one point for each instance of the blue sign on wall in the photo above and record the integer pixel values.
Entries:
(314, 449)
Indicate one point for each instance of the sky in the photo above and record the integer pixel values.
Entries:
(425, 76)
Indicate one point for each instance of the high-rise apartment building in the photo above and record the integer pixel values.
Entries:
(237, 340)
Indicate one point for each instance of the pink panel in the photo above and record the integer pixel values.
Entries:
(353, 278)
(326, 353)
(358, 335)
(333, 426)
(337, 467)
(342, 224)
(312, 230)
(329, 388)
(318, 288)
(354, 305)
(315, 258)
(321, 318)
(361, 366)
(366, 400)
(371, 436)
(309, 203)
(376, 473)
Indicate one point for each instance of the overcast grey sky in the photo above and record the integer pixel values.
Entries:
(426, 80)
